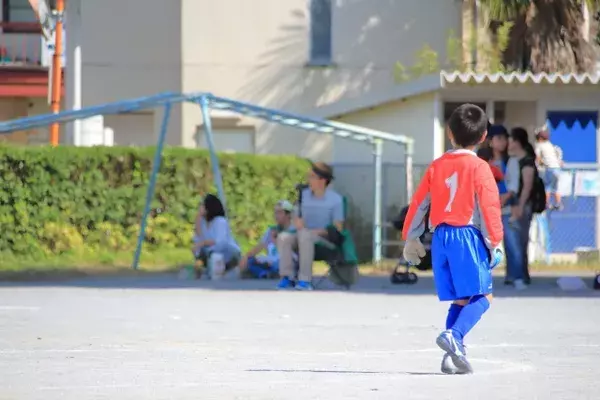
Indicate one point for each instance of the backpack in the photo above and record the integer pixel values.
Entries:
(538, 192)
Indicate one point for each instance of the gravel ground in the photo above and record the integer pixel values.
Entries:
(154, 337)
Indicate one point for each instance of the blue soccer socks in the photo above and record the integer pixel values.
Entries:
(469, 316)
(453, 313)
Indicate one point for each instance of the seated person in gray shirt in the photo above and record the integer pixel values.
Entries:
(320, 207)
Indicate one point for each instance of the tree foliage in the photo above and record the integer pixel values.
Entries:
(526, 35)
(547, 35)
(427, 60)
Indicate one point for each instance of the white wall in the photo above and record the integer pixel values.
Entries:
(129, 49)
(132, 129)
(41, 135)
(230, 140)
(411, 117)
(522, 113)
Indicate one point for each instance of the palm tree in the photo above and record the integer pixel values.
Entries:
(547, 35)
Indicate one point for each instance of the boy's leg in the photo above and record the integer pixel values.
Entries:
(453, 313)
(444, 288)
(257, 269)
(512, 248)
(546, 177)
(553, 176)
(286, 244)
(306, 254)
(470, 315)
(471, 261)
(524, 228)
(456, 307)
(275, 266)
(468, 258)
(441, 269)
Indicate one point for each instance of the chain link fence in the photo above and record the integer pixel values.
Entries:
(357, 182)
(570, 232)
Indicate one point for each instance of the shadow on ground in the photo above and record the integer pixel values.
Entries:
(346, 372)
(543, 285)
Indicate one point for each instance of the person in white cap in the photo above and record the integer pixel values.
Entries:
(265, 266)
(549, 161)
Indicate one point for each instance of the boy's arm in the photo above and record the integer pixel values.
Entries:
(486, 192)
(297, 221)
(414, 223)
(260, 246)
(538, 154)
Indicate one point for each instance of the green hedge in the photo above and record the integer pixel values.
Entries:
(59, 200)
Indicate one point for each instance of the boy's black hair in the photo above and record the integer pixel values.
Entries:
(213, 206)
(468, 123)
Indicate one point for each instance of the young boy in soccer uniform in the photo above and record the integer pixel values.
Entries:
(461, 194)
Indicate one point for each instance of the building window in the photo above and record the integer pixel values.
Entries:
(320, 32)
(20, 11)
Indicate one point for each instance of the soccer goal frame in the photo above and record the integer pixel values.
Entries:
(208, 102)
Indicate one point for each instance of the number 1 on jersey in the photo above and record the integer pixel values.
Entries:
(452, 184)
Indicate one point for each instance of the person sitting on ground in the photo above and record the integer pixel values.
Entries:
(213, 233)
(549, 161)
(319, 218)
(265, 266)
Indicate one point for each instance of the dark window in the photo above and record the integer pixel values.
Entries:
(320, 32)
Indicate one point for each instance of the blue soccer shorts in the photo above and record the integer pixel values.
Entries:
(461, 263)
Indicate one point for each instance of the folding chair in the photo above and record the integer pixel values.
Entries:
(341, 260)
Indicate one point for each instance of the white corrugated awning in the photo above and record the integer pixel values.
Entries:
(518, 78)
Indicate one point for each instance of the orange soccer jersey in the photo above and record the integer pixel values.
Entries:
(458, 189)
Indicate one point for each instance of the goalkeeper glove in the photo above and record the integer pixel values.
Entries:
(496, 257)
(413, 251)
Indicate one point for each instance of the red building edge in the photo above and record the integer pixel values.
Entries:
(22, 81)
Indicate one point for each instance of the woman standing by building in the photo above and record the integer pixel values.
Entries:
(520, 176)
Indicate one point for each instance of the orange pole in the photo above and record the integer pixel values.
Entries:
(57, 72)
